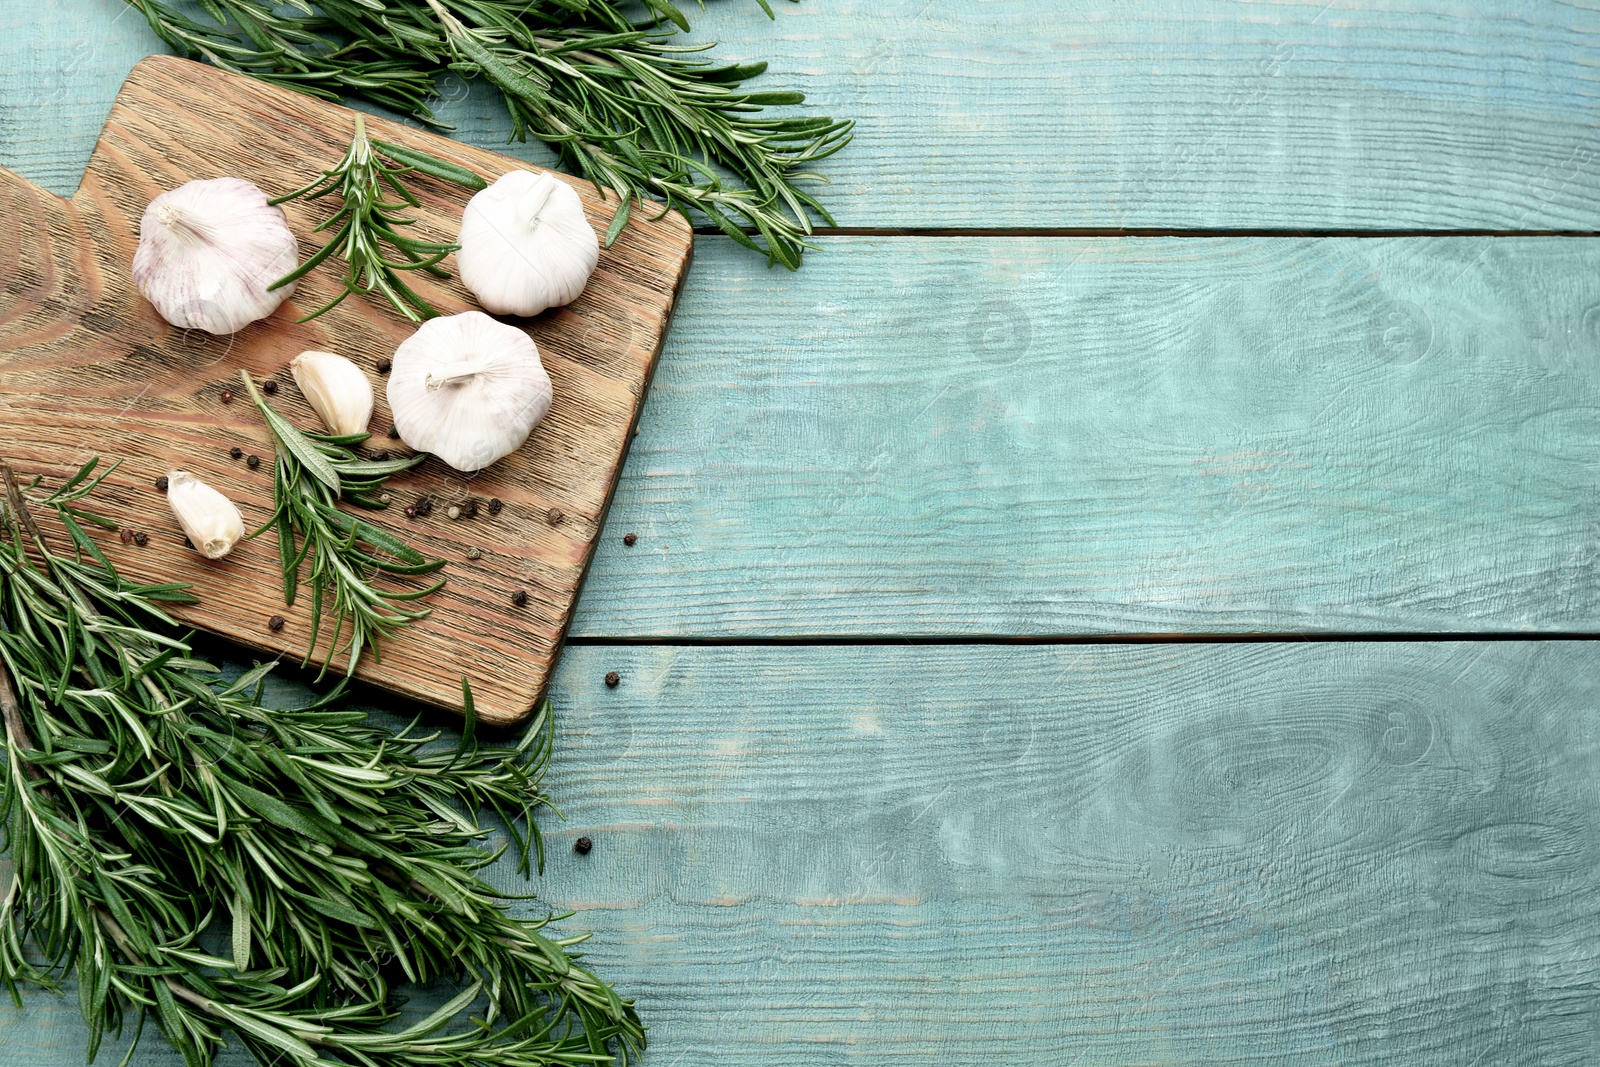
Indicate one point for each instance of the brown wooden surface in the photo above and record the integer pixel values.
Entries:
(88, 368)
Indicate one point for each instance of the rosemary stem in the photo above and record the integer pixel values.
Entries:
(16, 730)
(120, 938)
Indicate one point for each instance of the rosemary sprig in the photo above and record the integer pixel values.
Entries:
(196, 858)
(312, 473)
(621, 102)
(367, 220)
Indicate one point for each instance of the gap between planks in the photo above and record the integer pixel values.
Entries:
(589, 641)
(1098, 231)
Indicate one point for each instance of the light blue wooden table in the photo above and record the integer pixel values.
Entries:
(1155, 325)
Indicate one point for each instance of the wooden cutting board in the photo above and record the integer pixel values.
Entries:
(88, 368)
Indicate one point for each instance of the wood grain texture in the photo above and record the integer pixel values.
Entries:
(1037, 436)
(1288, 114)
(87, 367)
(1297, 855)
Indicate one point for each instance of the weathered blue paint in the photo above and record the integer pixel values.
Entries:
(1304, 854)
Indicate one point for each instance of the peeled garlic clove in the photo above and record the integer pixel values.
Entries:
(526, 244)
(468, 389)
(209, 519)
(338, 390)
(208, 251)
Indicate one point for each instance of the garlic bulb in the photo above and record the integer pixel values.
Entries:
(209, 519)
(468, 389)
(208, 251)
(338, 390)
(526, 245)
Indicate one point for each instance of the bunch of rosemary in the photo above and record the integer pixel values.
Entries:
(199, 859)
(620, 101)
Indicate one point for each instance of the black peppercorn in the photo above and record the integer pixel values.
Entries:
(253, 462)
(161, 484)
(275, 623)
(381, 455)
(425, 506)
(520, 597)
(612, 678)
(269, 387)
(187, 543)
(582, 846)
(553, 516)
(495, 505)
(471, 510)
(141, 538)
(630, 539)
(235, 451)
(385, 366)
(227, 396)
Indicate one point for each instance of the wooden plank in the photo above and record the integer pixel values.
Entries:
(1288, 854)
(1329, 114)
(61, 65)
(1044, 436)
(87, 367)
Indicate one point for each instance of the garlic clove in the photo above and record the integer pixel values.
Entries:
(468, 389)
(209, 519)
(208, 251)
(338, 390)
(526, 244)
